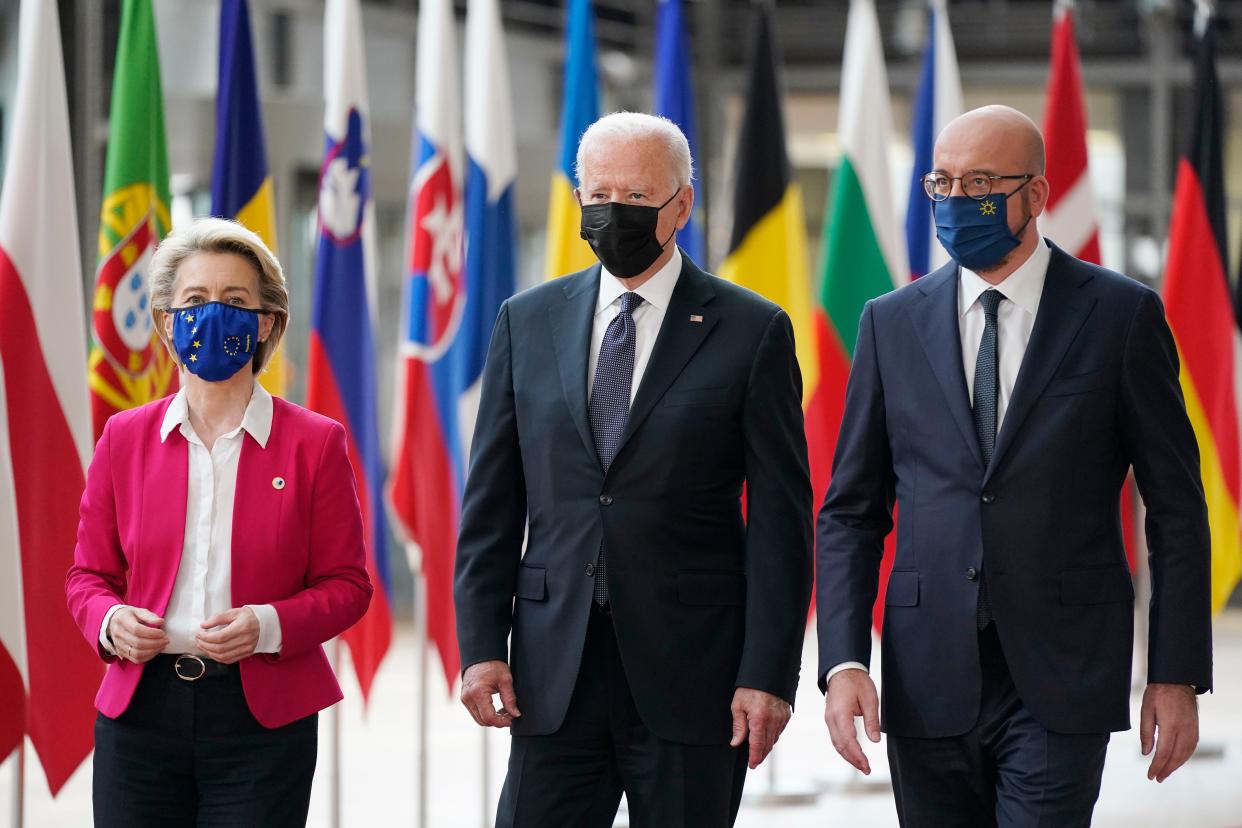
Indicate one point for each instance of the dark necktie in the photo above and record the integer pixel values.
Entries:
(987, 395)
(610, 403)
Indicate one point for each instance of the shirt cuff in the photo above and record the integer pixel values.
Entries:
(269, 628)
(104, 641)
(845, 665)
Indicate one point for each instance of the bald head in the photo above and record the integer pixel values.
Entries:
(996, 138)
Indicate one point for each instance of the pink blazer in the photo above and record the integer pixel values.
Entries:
(298, 547)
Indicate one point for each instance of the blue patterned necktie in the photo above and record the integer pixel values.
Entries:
(987, 395)
(610, 403)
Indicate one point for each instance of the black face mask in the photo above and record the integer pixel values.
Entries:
(623, 235)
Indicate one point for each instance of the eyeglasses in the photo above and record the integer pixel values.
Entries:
(976, 185)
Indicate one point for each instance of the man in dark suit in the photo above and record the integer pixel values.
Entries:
(655, 630)
(1000, 401)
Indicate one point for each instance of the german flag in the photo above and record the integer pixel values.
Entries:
(1200, 312)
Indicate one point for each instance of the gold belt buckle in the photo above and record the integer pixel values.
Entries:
(202, 668)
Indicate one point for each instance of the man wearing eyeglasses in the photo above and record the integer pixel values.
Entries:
(999, 402)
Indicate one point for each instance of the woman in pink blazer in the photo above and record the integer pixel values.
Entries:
(220, 544)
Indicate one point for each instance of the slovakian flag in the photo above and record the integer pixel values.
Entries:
(341, 359)
(566, 251)
(938, 101)
(129, 365)
(241, 185)
(674, 99)
(1200, 312)
(426, 473)
(48, 677)
(864, 252)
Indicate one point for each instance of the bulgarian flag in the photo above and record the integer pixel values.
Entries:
(128, 364)
(1200, 312)
(864, 249)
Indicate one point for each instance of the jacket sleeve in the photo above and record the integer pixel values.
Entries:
(493, 518)
(1159, 442)
(857, 514)
(778, 529)
(338, 588)
(99, 576)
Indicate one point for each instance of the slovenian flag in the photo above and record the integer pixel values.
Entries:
(566, 251)
(241, 185)
(341, 361)
(674, 99)
(938, 101)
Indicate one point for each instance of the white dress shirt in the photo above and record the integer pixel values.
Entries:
(1015, 318)
(656, 292)
(204, 577)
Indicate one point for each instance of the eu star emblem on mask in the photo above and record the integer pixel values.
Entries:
(987, 208)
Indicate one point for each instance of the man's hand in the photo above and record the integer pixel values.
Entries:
(1174, 711)
(479, 684)
(136, 634)
(236, 638)
(762, 717)
(852, 693)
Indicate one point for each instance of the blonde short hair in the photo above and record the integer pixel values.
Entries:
(217, 235)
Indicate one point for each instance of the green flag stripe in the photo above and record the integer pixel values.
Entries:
(854, 266)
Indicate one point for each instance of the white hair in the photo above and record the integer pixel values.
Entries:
(631, 126)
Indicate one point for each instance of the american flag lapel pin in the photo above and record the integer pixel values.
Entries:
(694, 317)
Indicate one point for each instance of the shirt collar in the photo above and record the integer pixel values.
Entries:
(656, 291)
(257, 421)
(1023, 287)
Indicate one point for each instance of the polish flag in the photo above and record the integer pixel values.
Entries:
(48, 675)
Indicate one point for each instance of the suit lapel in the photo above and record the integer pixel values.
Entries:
(570, 322)
(164, 494)
(677, 341)
(935, 321)
(264, 484)
(1062, 310)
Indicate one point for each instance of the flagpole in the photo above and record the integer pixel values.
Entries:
(19, 785)
(486, 820)
(334, 779)
(420, 592)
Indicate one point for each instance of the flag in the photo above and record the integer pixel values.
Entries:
(341, 358)
(241, 184)
(1200, 312)
(451, 302)
(1070, 219)
(48, 678)
(567, 252)
(674, 99)
(864, 254)
(938, 101)
(128, 363)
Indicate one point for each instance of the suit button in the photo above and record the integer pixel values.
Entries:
(605, 500)
(590, 569)
(972, 574)
(988, 497)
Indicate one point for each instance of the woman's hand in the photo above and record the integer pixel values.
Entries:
(136, 634)
(236, 638)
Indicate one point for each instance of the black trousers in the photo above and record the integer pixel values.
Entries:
(191, 754)
(575, 776)
(1007, 771)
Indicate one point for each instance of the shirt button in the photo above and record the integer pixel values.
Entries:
(972, 574)
(590, 569)
(988, 497)
(605, 500)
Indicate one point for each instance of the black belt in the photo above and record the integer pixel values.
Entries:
(189, 667)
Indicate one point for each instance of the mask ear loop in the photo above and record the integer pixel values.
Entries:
(1021, 229)
(664, 244)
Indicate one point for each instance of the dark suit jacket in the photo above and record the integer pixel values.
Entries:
(703, 602)
(1097, 393)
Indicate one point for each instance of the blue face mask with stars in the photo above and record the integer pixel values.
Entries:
(975, 233)
(214, 340)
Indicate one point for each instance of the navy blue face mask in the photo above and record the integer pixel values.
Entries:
(975, 233)
(214, 340)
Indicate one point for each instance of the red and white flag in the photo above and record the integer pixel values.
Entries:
(48, 675)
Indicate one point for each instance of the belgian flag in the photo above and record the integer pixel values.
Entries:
(1200, 311)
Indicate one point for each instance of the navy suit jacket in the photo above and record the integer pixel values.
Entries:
(703, 602)
(1096, 394)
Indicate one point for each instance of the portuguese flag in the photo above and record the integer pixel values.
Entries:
(128, 363)
(864, 251)
(1200, 312)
